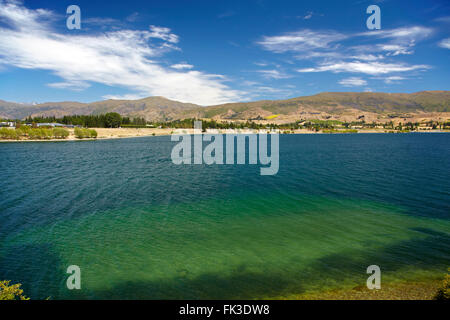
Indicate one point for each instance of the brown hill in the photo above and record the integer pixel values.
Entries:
(336, 103)
(152, 108)
(328, 105)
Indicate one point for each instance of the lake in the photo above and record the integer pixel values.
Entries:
(141, 227)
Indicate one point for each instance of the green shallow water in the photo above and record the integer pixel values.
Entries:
(140, 227)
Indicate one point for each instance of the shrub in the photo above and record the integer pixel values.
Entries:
(60, 133)
(3, 133)
(40, 133)
(35, 133)
(6, 133)
(81, 133)
(47, 133)
(92, 133)
(23, 131)
(11, 292)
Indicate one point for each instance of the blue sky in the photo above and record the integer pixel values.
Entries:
(212, 52)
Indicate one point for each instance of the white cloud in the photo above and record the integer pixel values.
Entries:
(318, 54)
(163, 34)
(180, 66)
(392, 79)
(310, 42)
(273, 74)
(353, 82)
(300, 41)
(372, 68)
(445, 43)
(274, 92)
(124, 58)
(70, 85)
(332, 51)
(402, 40)
(308, 15)
(261, 64)
(270, 89)
(124, 97)
(250, 83)
(368, 57)
(445, 19)
(408, 33)
(395, 49)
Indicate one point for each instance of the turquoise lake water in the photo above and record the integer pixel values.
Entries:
(141, 227)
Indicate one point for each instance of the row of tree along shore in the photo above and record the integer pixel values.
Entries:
(115, 120)
(29, 133)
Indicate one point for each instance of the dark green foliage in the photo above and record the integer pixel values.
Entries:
(108, 120)
(113, 120)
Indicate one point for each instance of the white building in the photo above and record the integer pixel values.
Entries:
(8, 124)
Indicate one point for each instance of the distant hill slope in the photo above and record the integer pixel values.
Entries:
(336, 103)
(328, 105)
(11, 110)
(152, 108)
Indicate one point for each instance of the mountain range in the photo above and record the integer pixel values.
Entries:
(346, 106)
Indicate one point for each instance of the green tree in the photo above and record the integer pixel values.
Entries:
(113, 120)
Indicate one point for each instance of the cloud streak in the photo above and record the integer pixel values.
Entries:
(331, 51)
(445, 43)
(181, 66)
(371, 68)
(273, 74)
(301, 41)
(353, 82)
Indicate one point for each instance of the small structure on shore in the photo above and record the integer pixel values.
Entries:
(8, 124)
(53, 125)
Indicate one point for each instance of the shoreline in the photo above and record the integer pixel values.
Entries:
(123, 133)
